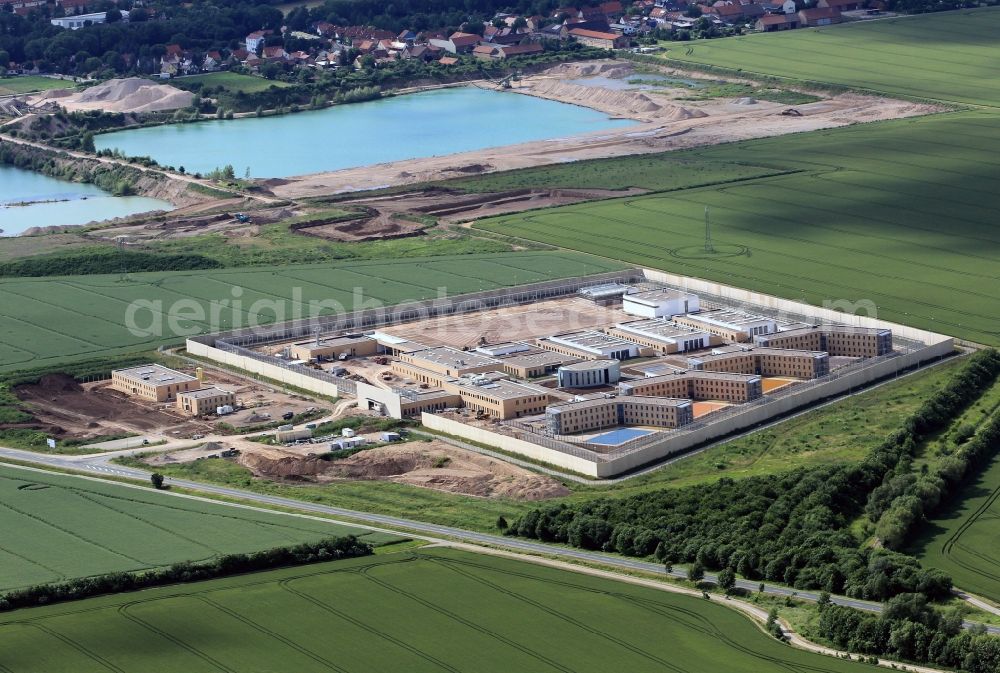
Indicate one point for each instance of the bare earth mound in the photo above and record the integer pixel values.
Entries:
(612, 101)
(434, 465)
(132, 94)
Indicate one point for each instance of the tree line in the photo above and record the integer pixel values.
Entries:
(115, 178)
(792, 528)
(330, 549)
(910, 630)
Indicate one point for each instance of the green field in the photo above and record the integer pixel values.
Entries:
(16, 85)
(231, 81)
(57, 527)
(49, 321)
(655, 172)
(897, 213)
(964, 539)
(434, 610)
(947, 56)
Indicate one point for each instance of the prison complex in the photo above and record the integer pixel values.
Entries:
(672, 363)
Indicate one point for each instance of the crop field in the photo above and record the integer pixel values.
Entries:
(232, 81)
(894, 215)
(434, 610)
(48, 321)
(964, 539)
(655, 172)
(944, 56)
(16, 85)
(58, 527)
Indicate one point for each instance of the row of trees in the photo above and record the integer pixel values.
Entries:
(117, 179)
(330, 549)
(791, 528)
(910, 630)
(100, 259)
(907, 498)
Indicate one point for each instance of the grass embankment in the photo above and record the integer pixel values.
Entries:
(47, 322)
(228, 82)
(18, 85)
(59, 527)
(839, 433)
(417, 611)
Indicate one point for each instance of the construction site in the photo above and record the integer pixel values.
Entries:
(599, 375)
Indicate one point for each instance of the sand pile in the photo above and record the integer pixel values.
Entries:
(571, 70)
(613, 102)
(434, 465)
(132, 94)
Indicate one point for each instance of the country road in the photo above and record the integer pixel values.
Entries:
(99, 465)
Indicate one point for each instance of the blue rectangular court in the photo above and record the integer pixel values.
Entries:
(619, 436)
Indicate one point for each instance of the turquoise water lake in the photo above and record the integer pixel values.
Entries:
(430, 123)
(58, 202)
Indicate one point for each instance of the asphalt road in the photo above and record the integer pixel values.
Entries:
(99, 465)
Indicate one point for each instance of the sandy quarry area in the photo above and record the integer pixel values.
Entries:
(662, 123)
(132, 94)
(435, 464)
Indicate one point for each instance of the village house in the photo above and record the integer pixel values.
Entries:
(819, 16)
(842, 5)
(601, 40)
(772, 22)
(255, 40)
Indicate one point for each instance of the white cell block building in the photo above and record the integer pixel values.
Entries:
(660, 303)
(589, 374)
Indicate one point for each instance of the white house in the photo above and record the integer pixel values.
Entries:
(255, 41)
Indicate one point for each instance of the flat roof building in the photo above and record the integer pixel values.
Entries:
(589, 374)
(799, 364)
(499, 350)
(333, 347)
(153, 382)
(698, 385)
(501, 398)
(837, 340)
(204, 401)
(537, 362)
(659, 303)
(608, 293)
(729, 324)
(451, 361)
(663, 335)
(567, 418)
(591, 344)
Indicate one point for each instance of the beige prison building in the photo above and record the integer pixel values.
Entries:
(333, 347)
(464, 378)
(153, 382)
(696, 385)
(765, 362)
(568, 418)
(205, 401)
(837, 340)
